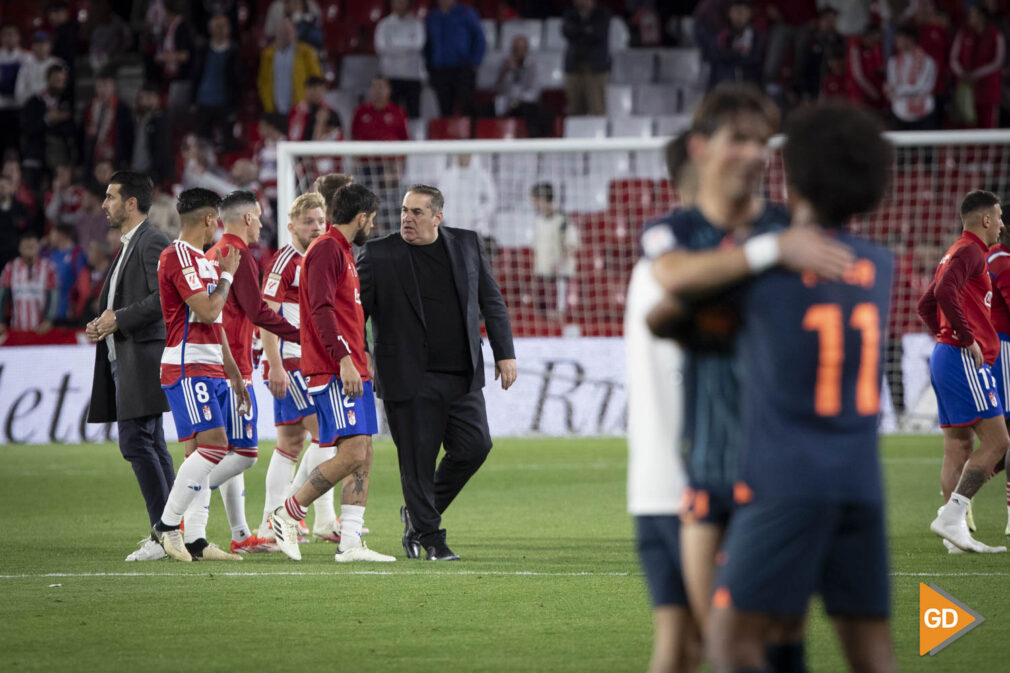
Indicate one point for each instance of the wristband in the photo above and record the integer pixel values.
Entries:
(762, 252)
(226, 276)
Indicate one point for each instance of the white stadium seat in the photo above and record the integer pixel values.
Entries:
(633, 66)
(656, 99)
(619, 100)
(533, 29)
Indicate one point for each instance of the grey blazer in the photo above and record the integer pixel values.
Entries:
(140, 338)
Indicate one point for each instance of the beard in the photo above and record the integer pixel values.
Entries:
(360, 238)
(116, 219)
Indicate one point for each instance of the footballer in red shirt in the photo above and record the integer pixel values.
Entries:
(956, 307)
(999, 274)
(194, 367)
(336, 369)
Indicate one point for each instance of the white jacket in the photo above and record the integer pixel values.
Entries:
(399, 42)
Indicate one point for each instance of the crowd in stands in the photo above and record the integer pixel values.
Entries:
(199, 92)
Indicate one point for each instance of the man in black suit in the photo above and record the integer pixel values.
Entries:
(425, 289)
(130, 334)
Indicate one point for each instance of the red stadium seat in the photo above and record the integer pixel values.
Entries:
(508, 127)
(631, 197)
(449, 128)
(361, 12)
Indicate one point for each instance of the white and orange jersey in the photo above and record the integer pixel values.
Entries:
(192, 347)
(281, 285)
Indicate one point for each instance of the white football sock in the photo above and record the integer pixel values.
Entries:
(233, 495)
(280, 472)
(197, 514)
(352, 518)
(189, 481)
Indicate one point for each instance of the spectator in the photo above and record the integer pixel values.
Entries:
(12, 56)
(399, 42)
(200, 167)
(586, 27)
(853, 15)
(739, 49)
(976, 59)
(555, 241)
(88, 289)
(202, 11)
(710, 18)
(790, 26)
(825, 40)
(47, 127)
(152, 137)
(103, 173)
(911, 74)
(32, 75)
(64, 30)
(23, 194)
(936, 40)
(109, 37)
(518, 89)
(305, 14)
(312, 118)
(217, 84)
(272, 129)
(30, 283)
(454, 50)
(865, 69)
(108, 125)
(834, 83)
(380, 119)
(285, 66)
(63, 198)
(470, 196)
(14, 222)
(172, 58)
(90, 221)
(68, 260)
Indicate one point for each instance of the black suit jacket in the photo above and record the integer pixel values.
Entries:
(140, 338)
(390, 296)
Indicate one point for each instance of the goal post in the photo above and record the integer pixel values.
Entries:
(571, 280)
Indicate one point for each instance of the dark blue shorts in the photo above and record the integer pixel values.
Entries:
(659, 551)
(708, 504)
(340, 416)
(964, 394)
(297, 404)
(198, 403)
(242, 430)
(780, 552)
(1001, 370)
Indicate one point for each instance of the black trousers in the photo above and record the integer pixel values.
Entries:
(455, 89)
(407, 94)
(142, 443)
(443, 413)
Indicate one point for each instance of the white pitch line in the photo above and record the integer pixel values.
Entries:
(298, 573)
(950, 574)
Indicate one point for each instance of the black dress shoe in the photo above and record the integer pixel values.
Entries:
(439, 551)
(411, 545)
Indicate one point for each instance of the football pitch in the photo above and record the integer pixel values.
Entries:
(549, 579)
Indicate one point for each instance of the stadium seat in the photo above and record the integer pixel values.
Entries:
(533, 29)
(449, 128)
(488, 70)
(631, 127)
(550, 67)
(357, 71)
(420, 168)
(633, 66)
(671, 125)
(490, 27)
(584, 193)
(667, 196)
(553, 37)
(619, 100)
(688, 98)
(620, 36)
(429, 103)
(914, 185)
(343, 102)
(648, 164)
(680, 66)
(500, 127)
(655, 99)
(360, 12)
(610, 165)
(634, 196)
(586, 127)
(417, 129)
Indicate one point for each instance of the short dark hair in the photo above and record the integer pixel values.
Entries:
(315, 81)
(28, 233)
(56, 67)
(437, 200)
(327, 185)
(351, 200)
(726, 102)
(676, 156)
(837, 159)
(107, 72)
(68, 230)
(909, 30)
(543, 190)
(133, 185)
(240, 197)
(977, 200)
(197, 198)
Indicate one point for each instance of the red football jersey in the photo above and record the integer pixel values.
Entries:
(192, 347)
(975, 299)
(999, 274)
(333, 321)
(29, 287)
(281, 285)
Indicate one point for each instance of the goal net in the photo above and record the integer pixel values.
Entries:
(563, 268)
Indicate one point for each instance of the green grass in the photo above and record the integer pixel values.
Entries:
(549, 581)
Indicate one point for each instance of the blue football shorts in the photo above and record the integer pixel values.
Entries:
(1001, 370)
(339, 416)
(198, 404)
(658, 540)
(964, 394)
(297, 404)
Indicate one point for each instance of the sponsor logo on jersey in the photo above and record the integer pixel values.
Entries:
(192, 280)
(272, 286)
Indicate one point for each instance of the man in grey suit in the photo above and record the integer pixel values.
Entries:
(130, 334)
(425, 289)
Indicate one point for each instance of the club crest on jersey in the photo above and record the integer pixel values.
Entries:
(992, 399)
(248, 432)
(206, 413)
(352, 418)
(357, 296)
(988, 299)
